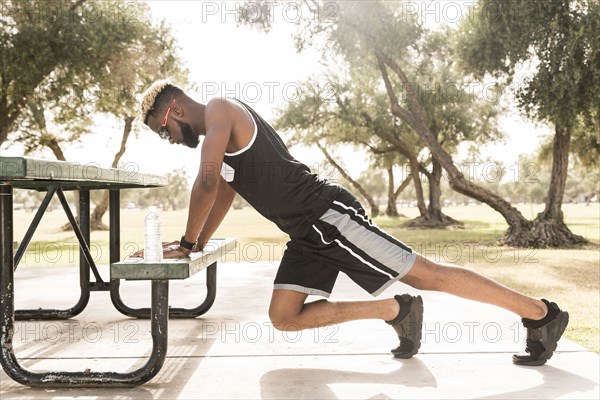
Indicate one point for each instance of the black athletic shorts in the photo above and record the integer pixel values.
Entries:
(343, 239)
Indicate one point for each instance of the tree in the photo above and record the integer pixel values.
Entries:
(51, 53)
(47, 48)
(379, 33)
(153, 55)
(562, 38)
(312, 121)
(452, 113)
(391, 40)
(364, 108)
(585, 143)
(52, 101)
(389, 160)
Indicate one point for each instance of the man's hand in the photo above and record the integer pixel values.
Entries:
(174, 250)
(170, 250)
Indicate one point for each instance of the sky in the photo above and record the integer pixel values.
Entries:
(262, 69)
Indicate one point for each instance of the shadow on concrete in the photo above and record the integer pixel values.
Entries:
(185, 355)
(309, 383)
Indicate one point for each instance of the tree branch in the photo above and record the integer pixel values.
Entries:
(402, 186)
(409, 87)
(396, 107)
(354, 183)
(379, 150)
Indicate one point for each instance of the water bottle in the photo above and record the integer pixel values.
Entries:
(152, 240)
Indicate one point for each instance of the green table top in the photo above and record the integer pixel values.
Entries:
(36, 173)
(181, 268)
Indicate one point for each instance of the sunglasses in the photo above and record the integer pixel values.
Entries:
(163, 133)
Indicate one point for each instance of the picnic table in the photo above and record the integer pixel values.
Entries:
(54, 178)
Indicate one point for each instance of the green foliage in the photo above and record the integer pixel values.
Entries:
(178, 191)
(62, 61)
(352, 106)
(457, 109)
(49, 47)
(309, 114)
(561, 39)
(585, 143)
(153, 55)
(455, 112)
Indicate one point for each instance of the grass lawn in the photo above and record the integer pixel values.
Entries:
(571, 277)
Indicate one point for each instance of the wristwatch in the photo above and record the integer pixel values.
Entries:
(185, 244)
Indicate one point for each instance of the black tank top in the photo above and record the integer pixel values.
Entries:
(278, 186)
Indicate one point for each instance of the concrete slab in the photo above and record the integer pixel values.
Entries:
(233, 352)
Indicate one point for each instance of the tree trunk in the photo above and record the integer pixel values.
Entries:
(402, 186)
(96, 223)
(434, 217)
(3, 128)
(400, 189)
(519, 227)
(4, 121)
(549, 227)
(434, 209)
(9, 113)
(51, 142)
(356, 185)
(391, 210)
(414, 171)
(415, 168)
(415, 165)
(100, 209)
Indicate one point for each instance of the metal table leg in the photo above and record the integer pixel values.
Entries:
(84, 379)
(115, 256)
(174, 312)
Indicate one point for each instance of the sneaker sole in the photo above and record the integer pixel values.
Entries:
(551, 342)
(417, 308)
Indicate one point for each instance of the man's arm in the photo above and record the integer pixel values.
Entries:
(219, 123)
(221, 206)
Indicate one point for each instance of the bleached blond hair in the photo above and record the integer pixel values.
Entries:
(149, 97)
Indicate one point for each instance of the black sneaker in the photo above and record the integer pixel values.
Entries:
(542, 336)
(409, 327)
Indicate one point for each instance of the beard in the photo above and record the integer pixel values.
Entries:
(190, 139)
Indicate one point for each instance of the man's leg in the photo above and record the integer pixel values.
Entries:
(288, 311)
(429, 275)
(545, 321)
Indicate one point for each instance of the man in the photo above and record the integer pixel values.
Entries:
(329, 230)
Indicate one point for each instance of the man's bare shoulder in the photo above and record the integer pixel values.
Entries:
(224, 109)
(220, 106)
